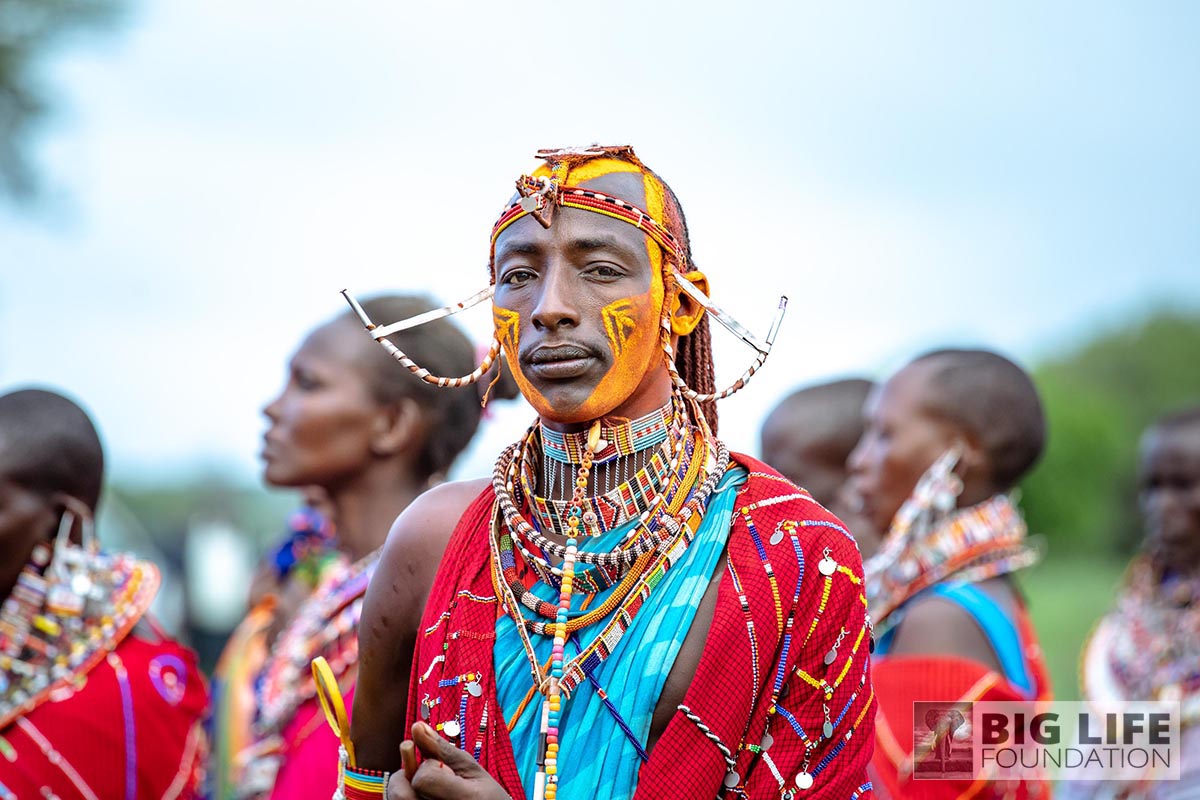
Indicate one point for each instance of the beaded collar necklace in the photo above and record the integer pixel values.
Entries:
(632, 497)
(63, 617)
(620, 438)
(1154, 652)
(930, 543)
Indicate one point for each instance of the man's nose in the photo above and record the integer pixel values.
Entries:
(556, 306)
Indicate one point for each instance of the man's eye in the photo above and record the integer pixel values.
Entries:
(517, 277)
(606, 271)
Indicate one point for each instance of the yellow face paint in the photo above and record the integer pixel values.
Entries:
(631, 330)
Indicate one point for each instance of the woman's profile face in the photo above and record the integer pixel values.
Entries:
(321, 424)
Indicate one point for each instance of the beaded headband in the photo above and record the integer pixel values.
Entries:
(540, 196)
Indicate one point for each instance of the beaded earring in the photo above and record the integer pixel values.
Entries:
(70, 572)
(380, 335)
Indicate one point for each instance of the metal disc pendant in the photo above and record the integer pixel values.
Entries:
(731, 780)
(424, 712)
(827, 729)
(474, 689)
(451, 728)
(831, 657)
(827, 567)
(529, 203)
(804, 781)
(777, 537)
(767, 741)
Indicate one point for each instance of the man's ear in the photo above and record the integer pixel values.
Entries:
(396, 427)
(686, 312)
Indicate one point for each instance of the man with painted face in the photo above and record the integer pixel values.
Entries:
(1148, 647)
(947, 438)
(626, 609)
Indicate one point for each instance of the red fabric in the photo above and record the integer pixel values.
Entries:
(76, 745)
(732, 692)
(902, 680)
(310, 763)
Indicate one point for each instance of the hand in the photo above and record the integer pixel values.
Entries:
(446, 773)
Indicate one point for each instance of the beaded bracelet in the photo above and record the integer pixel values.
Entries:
(362, 784)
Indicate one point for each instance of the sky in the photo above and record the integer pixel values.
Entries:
(1015, 175)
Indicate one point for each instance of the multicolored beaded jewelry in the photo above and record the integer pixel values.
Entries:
(1154, 648)
(931, 542)
(667, 516)
(64, 615)
(325, 627)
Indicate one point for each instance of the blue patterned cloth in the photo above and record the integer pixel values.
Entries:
(596, 758)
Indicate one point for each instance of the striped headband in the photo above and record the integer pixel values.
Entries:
(540, 196)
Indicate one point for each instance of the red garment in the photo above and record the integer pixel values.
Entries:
(733, 690)
(903, 680)
(132, 730)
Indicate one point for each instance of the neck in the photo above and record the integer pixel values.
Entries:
(365, 507)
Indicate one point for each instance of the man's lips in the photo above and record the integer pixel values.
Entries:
(559, 362)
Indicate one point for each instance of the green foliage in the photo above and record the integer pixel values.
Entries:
(1098, 400)
(1067, 596)
(28, 29)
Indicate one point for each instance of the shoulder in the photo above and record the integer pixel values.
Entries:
(423, 528)
(771, 508)
(936, 625)
(415, 546)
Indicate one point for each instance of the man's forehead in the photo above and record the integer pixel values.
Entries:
(573, 226)
(628, 186)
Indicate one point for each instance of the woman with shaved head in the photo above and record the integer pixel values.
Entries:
(95, 701)
(947, 439)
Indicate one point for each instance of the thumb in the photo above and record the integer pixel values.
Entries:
(434, 746)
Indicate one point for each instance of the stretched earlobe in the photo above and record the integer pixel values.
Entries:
(686, 313)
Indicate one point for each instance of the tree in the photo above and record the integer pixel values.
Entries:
(1099, 398)
(28, 30)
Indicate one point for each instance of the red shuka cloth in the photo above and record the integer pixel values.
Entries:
(132, 730)
(903, 680)
(732, 693)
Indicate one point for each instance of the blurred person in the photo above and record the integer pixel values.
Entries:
(95, 700)
(1148, 646)
(626, 609)
(809, 435)
(947, 439)
(362, 439)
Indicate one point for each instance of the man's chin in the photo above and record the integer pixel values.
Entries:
(568, 405)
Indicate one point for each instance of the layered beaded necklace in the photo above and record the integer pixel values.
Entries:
(930, 542)
(1154, 651)
(664, 514)
(63, 616)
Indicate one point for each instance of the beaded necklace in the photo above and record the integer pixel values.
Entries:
(658, 537)
(325, 625)
(1154, 652)
(620, 439)
(63, 617)
(606, 510)
(929, 543)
